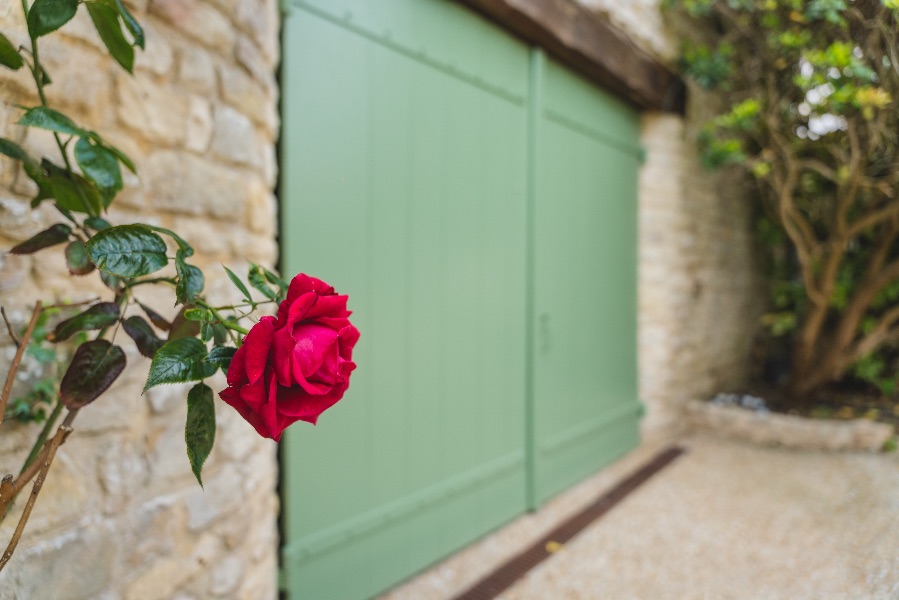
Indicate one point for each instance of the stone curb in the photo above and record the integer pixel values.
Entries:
(772, 429)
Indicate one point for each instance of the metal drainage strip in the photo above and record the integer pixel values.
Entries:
(517, 567)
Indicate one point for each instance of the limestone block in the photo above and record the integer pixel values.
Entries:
(122, 470)
(220, 498)
(154, 111)
(160, 581)
(248, 96)
(196, 70)
(84, 93)
(260, 19)
(235, 139)
(227, 573)
(17, 219)
(249, 56)
(199, 124)
(261, 210)
(184, 183)
(75, 565)
(150, 531)
(199, 20)
(165, 398)
(261, 583)
(159, 56)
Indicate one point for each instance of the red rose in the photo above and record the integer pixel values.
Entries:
(297, 365)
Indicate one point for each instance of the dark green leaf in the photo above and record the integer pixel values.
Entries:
(219, 334)
(97, 223)
(110, 281)
(46, 16)
(9, 55)
(77, 260)
(100, 166)
(106, 20)
(199, 431)
(183, 327)
(143, 335)
(221, 356)
(134, 28)
(56, 234)
(179, 361)
(45, 77)
(190, 281)
(47, 118)
(12, 149)
(72, 191)
(128, 251)
(155, 318)
(256, 277)
(195, 314)
(97, 316)
(94, 367)
(238, 283)
(206, 332)
(123, 158)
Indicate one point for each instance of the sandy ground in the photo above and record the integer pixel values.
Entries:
(725, 520)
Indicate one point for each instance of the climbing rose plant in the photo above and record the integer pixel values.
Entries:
(286, 368)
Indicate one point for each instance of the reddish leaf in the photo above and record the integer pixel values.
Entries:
(94, 368)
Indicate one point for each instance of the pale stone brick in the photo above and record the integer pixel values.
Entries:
(159, 56)
(196, 70)
(235, 139)
(199, 124)
(155, 111)
(193, 185)
(198, 20)
(248, 96)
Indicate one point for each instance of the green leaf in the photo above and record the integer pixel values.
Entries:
(106, 20)
(72, 191)
(128, 251)
(51, 120)
(94, 367)
(238, 283)
(155, 318)
(256, 277)
(179, 361)
(185, 249)
(110, 281)
(12, 150)
(9, 55)
(199, 431)
(182, 326)
(100, 166)
(97, 223)
(195, 314)
(146, 340)
(56, 234)
(221, 356)
(77, 260)
(46, 16)
(134, 28)
(190, 281)
(123, 158)
(98, 316)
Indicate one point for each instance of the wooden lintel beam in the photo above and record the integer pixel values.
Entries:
(581, 40)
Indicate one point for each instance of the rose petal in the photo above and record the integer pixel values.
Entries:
(329, 306)
(270, 410)
(294, 403)
(232, 397)
(283, 349)
(253, 395)
(347, 338)
(288, 314)
(237, 374)
(258, 343)
(312, 342)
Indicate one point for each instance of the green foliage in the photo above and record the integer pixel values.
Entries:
(53, 235)
(9, 55)
(199, 432)
(144, 337)
(46, 16)
(98, 316)
(128, 251)
(179, 361)
(95, 366)
(709, 67)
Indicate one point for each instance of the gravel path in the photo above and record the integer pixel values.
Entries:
(726, 520)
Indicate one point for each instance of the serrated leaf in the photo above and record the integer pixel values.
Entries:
(190, 281)
(157, 319)
(100, 166)
(46, 16)
(143, 335)
(9, 55)
(134, 28)
(106, 21)
(94, 368)
(51, 120)
(238, 284)
(221, 356)
(56, 234)
(256, 277)
(72, 191)
(98, 316)
(128, 251)
(77, 260)
(183, 327)
(179, 361)
(199, 430)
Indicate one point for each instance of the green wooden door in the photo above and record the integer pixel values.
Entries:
(404, 178)
(413, 179)
(585, 407)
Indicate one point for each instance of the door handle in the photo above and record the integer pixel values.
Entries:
(544, 334)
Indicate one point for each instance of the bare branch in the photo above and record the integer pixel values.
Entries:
(14, 367)
(887, 214)
(12, 333)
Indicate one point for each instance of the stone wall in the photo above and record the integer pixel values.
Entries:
(121, 516)
(699, 291)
